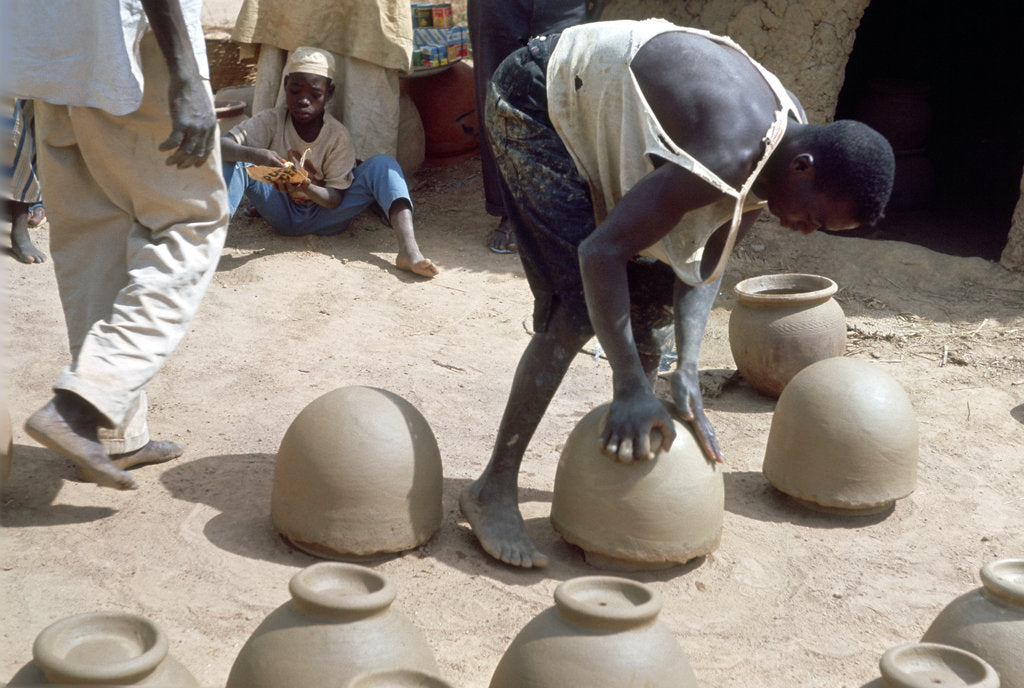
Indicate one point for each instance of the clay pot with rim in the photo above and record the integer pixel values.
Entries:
(781, 324)
(638, 515)
(103, 648)
(602, 632)
(338, 625)
(358, 475)
(843, 438)
(931, 665)
(989, 621)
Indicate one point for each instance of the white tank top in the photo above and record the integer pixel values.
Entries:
(613, 135)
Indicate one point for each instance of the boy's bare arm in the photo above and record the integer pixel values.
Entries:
(233, 151)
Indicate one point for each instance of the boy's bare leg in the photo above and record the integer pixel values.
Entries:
(491, 502)
(67, 425)
(409, 256)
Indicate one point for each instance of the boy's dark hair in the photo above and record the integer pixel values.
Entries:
(854, 161)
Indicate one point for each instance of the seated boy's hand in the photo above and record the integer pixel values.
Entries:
(267, 157)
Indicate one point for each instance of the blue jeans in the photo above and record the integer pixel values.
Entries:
(378, 179)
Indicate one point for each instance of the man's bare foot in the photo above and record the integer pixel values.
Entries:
(155, 451)
(22, 246)
(69, 430)
(501, 239)
(417, 263)
(36, 214)
(500, 529)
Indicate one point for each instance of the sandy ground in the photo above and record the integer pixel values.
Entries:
(791, 597)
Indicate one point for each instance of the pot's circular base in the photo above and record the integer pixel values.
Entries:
(610, 563)
(323, 552)
(845, 510)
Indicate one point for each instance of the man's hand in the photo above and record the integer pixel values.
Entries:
(690, 405)
(627, 430)
(195, 125)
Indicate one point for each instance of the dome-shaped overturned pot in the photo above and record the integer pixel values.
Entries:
(103, 648)
(989, 621)
(642, 514)
(781, 324)
(358, 474)
(602, 632)
(843, 436)
(933, 665)
(339, 625)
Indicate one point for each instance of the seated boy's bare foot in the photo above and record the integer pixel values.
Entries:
(155, 451)
(420, 266)
(500, 529)
(68, 431)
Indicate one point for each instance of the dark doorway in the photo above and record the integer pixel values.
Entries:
(958, 173)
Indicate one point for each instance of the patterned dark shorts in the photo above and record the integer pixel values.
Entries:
(549, 202)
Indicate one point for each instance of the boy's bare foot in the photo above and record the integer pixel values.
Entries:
(68, 429)
(36, 214)
(155, 451)
(500, 529)
(417, 263)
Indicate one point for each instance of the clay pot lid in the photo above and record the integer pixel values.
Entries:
(920, 665)
(333, 588)
(607, 602)
(1004, 579)
(792, 287)
(103, 647)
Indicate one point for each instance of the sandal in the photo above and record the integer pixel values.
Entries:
(501, 239)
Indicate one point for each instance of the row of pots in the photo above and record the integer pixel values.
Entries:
(340, 629)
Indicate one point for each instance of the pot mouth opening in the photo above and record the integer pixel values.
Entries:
(917, 664)
(100, 647)
(334, 588)
(608, 602)
(784, 288)
(1004, 579)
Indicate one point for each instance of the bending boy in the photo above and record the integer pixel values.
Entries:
(336, 190)
(635, 156)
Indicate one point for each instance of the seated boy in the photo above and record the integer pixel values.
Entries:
(336, 190)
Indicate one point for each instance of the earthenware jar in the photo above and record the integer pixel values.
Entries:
(931, 665)
(989, 621)
(781, 324)
(103, 648)
(843, 438)
(358, 474)
(602, 632)
(642, 514)
(339, 624)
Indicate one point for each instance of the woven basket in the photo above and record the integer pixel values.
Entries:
(227, 67)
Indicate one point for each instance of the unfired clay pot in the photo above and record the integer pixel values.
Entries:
(602, 632)
(358, 474)
(638, 515)
(103, 648)
(338, 626)
(989, 621)
(931, 665)
(843, 438)
(781, 324)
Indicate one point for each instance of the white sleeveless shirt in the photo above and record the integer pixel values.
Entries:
(613, 135)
